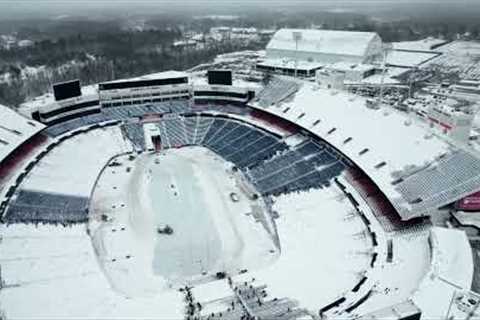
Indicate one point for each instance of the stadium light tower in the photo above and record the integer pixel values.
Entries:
(297, 36)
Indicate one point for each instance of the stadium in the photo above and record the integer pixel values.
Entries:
(193, 195)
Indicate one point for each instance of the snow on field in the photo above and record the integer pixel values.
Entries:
(324, 253)
(52, 273)
(190, 190)
(73, 166)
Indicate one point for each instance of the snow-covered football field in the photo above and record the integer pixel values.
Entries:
(190, 190)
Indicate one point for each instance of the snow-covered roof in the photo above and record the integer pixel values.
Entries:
(409, 58)
(159, 75)
(290, 64)
(14, 130)
(461, 47)
(352, 43)
(384, 143)
(426, 44)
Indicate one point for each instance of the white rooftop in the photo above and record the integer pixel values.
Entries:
(157, 75)
(409, 58)
(426, 44)
(14, 130)
(351, 43)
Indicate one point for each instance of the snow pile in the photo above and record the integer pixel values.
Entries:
(73, 166)
(52, 273)
(451, 272)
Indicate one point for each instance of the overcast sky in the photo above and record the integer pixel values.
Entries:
(31, 8)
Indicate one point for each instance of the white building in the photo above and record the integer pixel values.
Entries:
(325, 46)
(455, 123)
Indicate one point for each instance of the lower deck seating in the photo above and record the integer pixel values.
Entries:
(34, 206)
(202, 127)
(190, 129)
(175, 130)
(134, 132)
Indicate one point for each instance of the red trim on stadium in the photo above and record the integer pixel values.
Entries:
(10, 164)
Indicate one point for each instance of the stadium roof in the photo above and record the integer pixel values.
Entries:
(158, 75)
(409, 59)
(426, 44)
(416, 170)
(351, 43)
(14, 130)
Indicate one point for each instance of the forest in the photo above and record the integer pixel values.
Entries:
(95, 50)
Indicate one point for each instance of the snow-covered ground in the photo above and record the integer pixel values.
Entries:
(51, 272)
(451, 271)
(189, 189)
(324, 250)
(395, 281)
